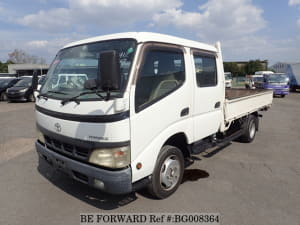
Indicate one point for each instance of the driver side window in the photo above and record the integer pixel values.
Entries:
(162, 72)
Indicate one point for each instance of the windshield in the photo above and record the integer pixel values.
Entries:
(5, 82)
(228, 76)
(277, 78)
(258, 79)
(24, 82)
(73, 66)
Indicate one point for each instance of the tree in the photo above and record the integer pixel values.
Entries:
(231, 67)
(253, 66)
(3, 66)
(20, 56)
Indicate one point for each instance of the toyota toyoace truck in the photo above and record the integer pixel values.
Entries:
(150, 102)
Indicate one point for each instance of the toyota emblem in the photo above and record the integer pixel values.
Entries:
(57, 127)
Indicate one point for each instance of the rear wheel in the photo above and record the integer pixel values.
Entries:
(168, 172)
(282, 96)
(3, 97)
(249, 129)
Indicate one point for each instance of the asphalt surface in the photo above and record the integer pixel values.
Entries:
(257, 183)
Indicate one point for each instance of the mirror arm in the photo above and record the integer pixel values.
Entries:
(107, 95)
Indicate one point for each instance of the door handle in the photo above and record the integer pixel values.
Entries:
(217, 105)
(185, 112)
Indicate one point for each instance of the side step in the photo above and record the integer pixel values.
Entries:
(212, 141)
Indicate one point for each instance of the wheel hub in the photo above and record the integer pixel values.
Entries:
(170, 172)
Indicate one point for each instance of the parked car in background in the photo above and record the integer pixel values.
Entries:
(228, 79)
(253, 81)
(6, 82)
(278, 82)
(22, 90)
(69, 80)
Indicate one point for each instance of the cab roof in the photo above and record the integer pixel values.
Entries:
(147, 37)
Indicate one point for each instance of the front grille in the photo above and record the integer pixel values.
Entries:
(67, 148)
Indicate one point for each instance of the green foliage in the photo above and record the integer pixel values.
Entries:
(243, 68)
(231, 67)
(4, 67)
(253, 66)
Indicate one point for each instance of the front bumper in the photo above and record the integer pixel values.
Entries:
(281, 92)
(16, 96)
(113, 182)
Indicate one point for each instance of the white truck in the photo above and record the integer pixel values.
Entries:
(151, 101)
(228, 79)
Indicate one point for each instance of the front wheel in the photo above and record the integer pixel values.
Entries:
(31, 98)
(3, 97)
(168, 172)
(282, 96)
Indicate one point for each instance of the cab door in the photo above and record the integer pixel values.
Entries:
(208, 94)
(160, 104)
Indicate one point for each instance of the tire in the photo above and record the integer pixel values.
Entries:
(31, 98)
(3, 97)
(250, 129)
(168, 172)
(282, 96)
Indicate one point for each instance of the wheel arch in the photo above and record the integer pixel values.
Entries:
(148, 157)
(179, 140)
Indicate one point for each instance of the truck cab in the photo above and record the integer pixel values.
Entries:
(228, 79)
(254, 81)
(278, 82)
(146, 104)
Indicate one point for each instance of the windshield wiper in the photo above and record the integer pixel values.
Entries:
(45, 95)
(74, 98)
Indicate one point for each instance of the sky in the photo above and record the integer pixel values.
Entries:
(247, 29)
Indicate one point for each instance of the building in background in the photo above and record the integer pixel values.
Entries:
(247, 65)
(7, 75)
(292, 70)
(242, 68)
(27, 69)
(243, 64)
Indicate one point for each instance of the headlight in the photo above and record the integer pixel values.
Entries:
(112, 158)
(23, 90)
(40, 136)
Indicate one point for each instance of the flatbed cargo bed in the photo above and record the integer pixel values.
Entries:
(234, 93)
(241, 102)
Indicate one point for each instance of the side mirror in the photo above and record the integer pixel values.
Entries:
(90, 84)
(109, 67)
(34, 80)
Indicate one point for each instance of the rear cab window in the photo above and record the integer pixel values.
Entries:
(206, 70)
